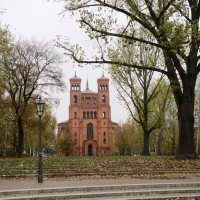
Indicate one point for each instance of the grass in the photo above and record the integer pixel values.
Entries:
(105, 166)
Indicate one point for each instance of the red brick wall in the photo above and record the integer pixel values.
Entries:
(88, 101)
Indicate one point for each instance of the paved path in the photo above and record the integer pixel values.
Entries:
(12, 184)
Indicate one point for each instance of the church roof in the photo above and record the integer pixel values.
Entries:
(87, 91)
(63, 122)
(103, 77)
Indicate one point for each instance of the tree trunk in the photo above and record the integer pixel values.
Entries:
(184, 95)
(146, 144)
(145, 123)
(21, 137)
(186, 148)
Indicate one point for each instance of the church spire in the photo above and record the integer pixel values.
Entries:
(87, 85)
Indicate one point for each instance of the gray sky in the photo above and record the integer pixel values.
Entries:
(40, 19)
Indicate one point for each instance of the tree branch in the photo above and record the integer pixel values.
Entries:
(110, 62)
(123, 36)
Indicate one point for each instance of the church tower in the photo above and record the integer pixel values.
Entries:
(75, 97)
(90, 118)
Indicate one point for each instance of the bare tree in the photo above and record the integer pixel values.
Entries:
(138, 89)
(29, 68)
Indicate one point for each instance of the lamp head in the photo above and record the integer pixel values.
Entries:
(40, 106)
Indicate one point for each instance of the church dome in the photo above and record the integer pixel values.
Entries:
(75, 77)
(87, 90)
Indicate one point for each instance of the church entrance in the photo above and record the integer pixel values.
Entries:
(90, 150)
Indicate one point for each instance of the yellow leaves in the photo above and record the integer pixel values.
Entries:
(15, 194)
(112, 166)
(32, 193)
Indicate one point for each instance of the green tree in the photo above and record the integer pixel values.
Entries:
(171, 25)
(31, 128)
(127, 139)
(65, 142)
(9, 130)
(120, 140)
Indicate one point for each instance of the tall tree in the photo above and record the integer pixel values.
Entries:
(6, 118)
(29, 68)
(139, 90)
(171, 25)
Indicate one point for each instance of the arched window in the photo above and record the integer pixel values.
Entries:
(91, 115)
(104, 134)
(90, 131)
(75, 114)
(103, 99)
(88, 115)
(75, 99)
(104, 114)
(75, 141)
(104, 140)
(75, 134)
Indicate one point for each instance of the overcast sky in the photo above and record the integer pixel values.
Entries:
(40, 19)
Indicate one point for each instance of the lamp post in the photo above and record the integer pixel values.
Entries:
(40, 110)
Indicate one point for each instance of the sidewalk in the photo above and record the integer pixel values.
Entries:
(13, 184)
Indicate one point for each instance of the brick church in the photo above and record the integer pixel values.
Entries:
(89, 118)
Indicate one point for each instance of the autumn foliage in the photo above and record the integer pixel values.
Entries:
(112, 166)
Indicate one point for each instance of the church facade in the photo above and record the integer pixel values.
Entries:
(89, 118)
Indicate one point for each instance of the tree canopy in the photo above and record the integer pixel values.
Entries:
(170, 25)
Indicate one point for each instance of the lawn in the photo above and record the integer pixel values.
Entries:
(105, 166)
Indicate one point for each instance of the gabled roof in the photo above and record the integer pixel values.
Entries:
(75, 77)
(103, 77)
(64, 122)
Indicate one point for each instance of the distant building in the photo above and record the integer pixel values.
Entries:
(89, 118)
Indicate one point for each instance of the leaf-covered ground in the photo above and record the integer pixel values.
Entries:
(142, 167)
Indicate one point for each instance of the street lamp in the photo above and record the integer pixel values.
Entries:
(40, 110)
